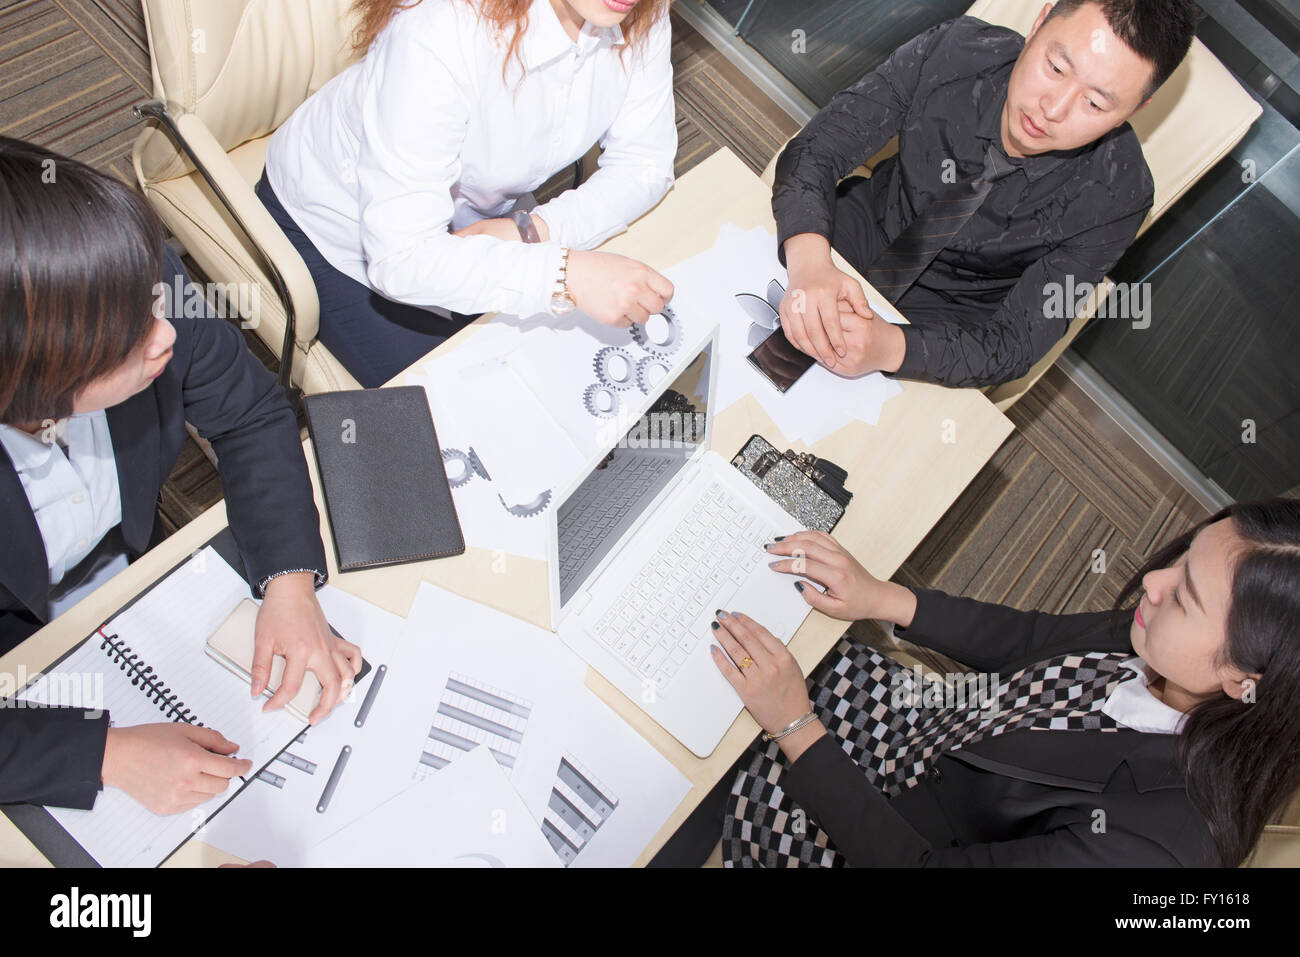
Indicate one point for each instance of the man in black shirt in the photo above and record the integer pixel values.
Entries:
(1017, 171)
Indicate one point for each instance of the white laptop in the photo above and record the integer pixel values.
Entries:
(653, 538)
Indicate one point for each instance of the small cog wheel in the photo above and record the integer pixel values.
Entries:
(672, 339)
(615, 368)
(650, 371)
(466, 471)
(477, 465)
(601, 401)
(528, 509)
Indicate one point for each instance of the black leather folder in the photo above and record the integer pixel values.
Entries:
(385, 487)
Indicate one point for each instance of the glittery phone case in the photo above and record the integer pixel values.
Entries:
(787, 485)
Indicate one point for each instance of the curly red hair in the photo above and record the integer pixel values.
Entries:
(506, 16)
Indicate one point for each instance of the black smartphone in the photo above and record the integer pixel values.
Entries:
(779, 361)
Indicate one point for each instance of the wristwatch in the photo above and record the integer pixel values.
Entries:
(524, 223)
(561, 299)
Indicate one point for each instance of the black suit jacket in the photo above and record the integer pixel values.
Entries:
(1025, 797)
(54, 756)
(981, 312)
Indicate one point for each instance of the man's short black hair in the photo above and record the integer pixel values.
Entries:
(1159, 31)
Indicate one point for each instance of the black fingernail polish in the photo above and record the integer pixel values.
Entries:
(798, 586)
(713, 625)
(779, 538)
(720, 613)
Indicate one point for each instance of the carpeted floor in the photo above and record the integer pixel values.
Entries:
(1026, 530)
(69, 72)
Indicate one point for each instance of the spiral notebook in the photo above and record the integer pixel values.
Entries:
(147, 665)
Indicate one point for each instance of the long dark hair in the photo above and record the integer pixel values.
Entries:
(1241, 760)
(80, 255)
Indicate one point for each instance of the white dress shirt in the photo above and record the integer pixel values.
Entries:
(1133, 705)
(424, 136)
(74, 495)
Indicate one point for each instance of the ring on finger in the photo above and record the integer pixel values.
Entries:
(745, 663)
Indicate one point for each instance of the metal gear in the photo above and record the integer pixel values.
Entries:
(606, 365)
(528, 509)
(467, 467)
(477, 464)
(643, 371)
(598, 395)
(669, 345)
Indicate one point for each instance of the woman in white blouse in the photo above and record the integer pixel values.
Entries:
(396, 181)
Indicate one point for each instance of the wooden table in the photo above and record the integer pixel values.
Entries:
(905, 472)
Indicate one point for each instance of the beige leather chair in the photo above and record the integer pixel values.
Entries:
(1192, 122)
(228, 73)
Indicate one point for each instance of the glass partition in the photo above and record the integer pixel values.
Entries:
(822, 46)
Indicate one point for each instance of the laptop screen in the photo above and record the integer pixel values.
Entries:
(611, 498)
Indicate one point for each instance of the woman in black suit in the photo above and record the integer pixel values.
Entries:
(96, 385)
(1171, 727)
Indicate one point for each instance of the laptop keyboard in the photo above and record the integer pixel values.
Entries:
(603, 510)
(715, 546)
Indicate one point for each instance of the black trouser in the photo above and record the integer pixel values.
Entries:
(857, 236)
(373, 337)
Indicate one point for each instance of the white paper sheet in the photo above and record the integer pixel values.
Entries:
(444, 635)
(559, 364)
(745, 261)
(275, 817)
(566, 724)
(518, 472)
(525, 450)
(623, 765)
(453, 643)
(466, 816)
(466, 678)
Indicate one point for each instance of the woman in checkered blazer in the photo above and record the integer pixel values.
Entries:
(1172, 725)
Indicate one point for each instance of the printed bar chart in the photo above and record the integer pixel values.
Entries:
(471, 713)
(578, 806)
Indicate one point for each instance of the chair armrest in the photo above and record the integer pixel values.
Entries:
(234, 197)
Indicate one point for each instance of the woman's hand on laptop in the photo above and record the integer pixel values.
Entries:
(850, 593)
(766, 677)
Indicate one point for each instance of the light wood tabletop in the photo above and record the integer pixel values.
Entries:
(905, 472)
